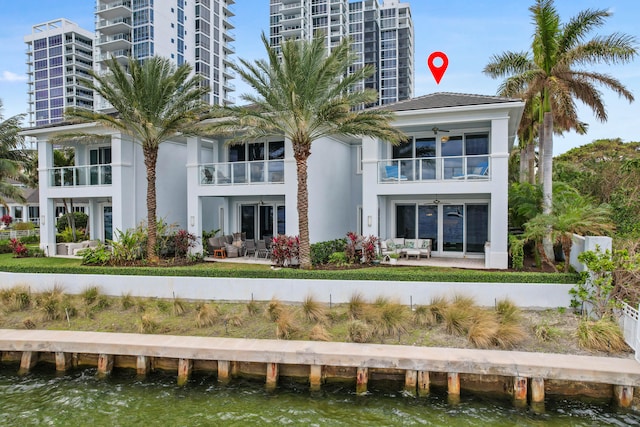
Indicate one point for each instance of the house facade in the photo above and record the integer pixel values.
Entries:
(447, 182)
(108, 180)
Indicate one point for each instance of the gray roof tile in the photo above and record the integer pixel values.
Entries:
(444, 100)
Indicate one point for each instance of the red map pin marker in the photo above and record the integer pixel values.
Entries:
(438, 71)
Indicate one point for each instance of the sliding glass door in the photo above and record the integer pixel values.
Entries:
(462, 228)
(259, 221)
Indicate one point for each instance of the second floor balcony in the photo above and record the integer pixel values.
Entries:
(77, 176)
(242, 173)
(453, 168)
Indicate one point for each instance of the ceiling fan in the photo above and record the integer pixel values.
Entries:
(436, 129)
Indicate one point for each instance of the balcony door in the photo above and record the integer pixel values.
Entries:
(99, 174)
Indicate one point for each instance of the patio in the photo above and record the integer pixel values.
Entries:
(468, 263)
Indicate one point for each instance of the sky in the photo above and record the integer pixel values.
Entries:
(469, 32)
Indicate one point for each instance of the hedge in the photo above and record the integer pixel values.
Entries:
(400, 274)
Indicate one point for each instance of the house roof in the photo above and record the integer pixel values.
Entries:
(444, 100)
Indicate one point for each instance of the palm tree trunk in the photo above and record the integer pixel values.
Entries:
(524, 164)
(547, 179)
(301, 154)
(150, 161)
(531, 158)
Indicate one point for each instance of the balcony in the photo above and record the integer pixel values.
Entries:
(242, 173)
(79, 176)
(454, 168)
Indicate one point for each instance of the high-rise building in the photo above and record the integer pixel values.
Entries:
(193, 31)
(59, 59)
(381, 35)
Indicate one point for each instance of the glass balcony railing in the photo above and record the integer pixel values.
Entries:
(455, 168)
(242, 173)
(76, 176)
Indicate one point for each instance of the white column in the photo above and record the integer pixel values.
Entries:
(498, 226)
(370, 156)
(290, 192)
(47, 205)
(194, 203)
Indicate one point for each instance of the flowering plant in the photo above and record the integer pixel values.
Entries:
(285, 249)
(18, 248)
(6, 219)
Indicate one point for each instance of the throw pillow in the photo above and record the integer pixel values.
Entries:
(409, 244)
(391, 245)
(426, 244)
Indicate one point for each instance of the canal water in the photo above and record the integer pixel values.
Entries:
(78, 398)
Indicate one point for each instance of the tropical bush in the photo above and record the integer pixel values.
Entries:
(80, 219)
(6, 220)
(24, 226)
(321, 251)
(285, 250)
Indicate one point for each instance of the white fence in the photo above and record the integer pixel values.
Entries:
(628, 320)
(14, 234)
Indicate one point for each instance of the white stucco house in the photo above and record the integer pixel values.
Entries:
(108, 179)
(448, 182)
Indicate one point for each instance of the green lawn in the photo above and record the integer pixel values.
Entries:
(222, 269)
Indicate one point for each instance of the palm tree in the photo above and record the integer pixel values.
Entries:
(154, 101)
(11, 157)
(305, 95)
(550, 71)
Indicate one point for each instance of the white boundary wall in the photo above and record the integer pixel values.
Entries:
(293, 290)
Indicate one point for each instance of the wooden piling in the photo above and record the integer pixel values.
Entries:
(362, 379)
(537, 390)
(185, 366)
(423, 383)
(143, 365)
(623, 395)
(315, 377)
(411, 382)
(105, 365)
(272, 376)
(28, 360)
(63, 361)
(453, 384)
(223, 371)
(520, 390)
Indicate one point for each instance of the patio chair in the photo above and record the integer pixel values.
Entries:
(481, 171)
(424, 245)
(261, 249)
(250, 248)
(232, 251)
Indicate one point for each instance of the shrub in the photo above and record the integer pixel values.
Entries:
(313, 310)
(90, 294)
(483, 329)
(24, 226)
(594, 290)
(206, 315)
(17, 298)
(6, 220)
(338, 258)
(127, 301)
(29, 240)
(147, 324)
(516, 250)
(321, 251)
(285, 325)
(509, 335)
(545, 332)
(356, 306)
(389, 319)
(457, 319)
(253, 308)
(80, 218)
(423, 316)
(67, 236)
(275, 309)
(179, 307)
(19, 249)
(508, 311)
(285, 249)
(5, 247)
(99, 255)
(182, 241)
(602, 335)
(359, 331)
(350, 250)
(319, 333)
